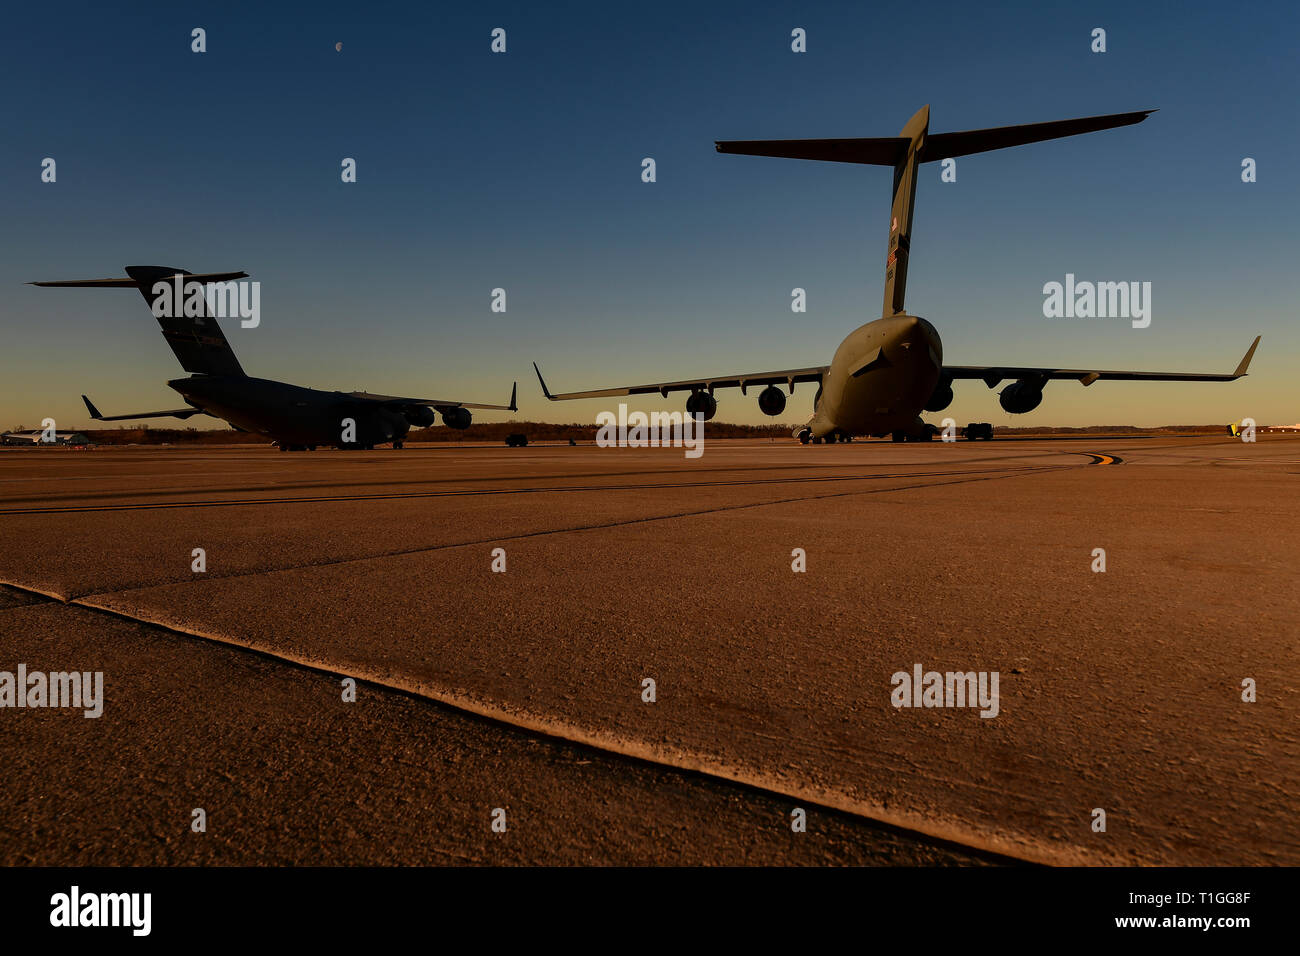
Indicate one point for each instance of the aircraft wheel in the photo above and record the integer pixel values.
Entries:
(399, 444)
(804, 438)
(898, 437)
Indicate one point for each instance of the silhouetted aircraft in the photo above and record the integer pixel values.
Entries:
(886, 372)
(295, 418)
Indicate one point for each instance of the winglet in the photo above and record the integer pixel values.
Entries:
(94, 412)
(545, 391)
(1245, 362)
(514, 389)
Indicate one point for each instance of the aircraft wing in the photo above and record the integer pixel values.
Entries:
(991, 375)
(439, 403)
(185, 412)
(788, 377)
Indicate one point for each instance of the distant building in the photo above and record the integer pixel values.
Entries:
(35, 436)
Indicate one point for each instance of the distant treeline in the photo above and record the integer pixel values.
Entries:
(1110, 429)
(548, 432)
(488, 432)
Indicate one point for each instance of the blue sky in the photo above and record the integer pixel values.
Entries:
(522, 171)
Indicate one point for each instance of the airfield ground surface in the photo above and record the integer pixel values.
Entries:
(523, 690)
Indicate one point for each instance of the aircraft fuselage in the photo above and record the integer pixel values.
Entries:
(293, 415)
(882, 375)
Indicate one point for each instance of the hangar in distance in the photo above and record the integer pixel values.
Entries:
(296, 418)
(885, 373)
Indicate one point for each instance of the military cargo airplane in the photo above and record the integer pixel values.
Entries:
(295, 418)
(886, 372)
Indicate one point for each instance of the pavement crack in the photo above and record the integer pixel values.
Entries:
(577, 529)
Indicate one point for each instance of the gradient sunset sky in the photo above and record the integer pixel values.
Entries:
(522, 171)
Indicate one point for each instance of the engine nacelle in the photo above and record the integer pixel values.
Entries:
(702, 403)
(1020, 397)
(457, 418)
(941, 398)
(421, 416)
(771, 401)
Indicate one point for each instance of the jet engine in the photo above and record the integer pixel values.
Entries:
(941, 398)
(771, 401)
(457, 418)
(1022, 396)
(702, 403)
(421, 416)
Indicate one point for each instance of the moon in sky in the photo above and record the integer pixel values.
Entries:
(339, 47)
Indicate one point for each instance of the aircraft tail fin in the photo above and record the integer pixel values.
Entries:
(195, 338)
(905, 152)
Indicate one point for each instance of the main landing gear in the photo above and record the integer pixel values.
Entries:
(805, 437)
(926, 432)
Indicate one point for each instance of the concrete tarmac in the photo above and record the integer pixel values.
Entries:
(1119, 691)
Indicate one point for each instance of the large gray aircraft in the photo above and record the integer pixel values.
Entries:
(886, 372)
(295, 418)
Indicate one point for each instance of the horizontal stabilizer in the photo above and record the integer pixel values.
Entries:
(947, 145)
(128, 283)
(886, 151)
